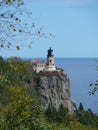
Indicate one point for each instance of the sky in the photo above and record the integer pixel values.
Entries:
(73, 23)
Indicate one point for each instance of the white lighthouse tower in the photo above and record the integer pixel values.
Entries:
(50, 65)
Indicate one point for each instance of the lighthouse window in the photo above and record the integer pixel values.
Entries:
(50, 60)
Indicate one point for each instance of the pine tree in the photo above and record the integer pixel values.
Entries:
(81, 108)
(50, 113)
(61, 114)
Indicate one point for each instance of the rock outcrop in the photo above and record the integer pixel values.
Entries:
(54, 88)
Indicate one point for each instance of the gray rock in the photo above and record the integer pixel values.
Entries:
(54, 89)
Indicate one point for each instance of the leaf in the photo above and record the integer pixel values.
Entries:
(9, 43)
(14, 29)
(2, 45)
(11, 25)
(9, 1)
(17, 18)
(96, 84)
(8, 46)
(20, 30)
(38, 32)
(11, 15)
(20, 13)
(91, 84)
(17, 47)
(2, 15)
(30, 46)
(33, 25)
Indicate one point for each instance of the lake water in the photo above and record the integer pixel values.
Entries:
(81, 72)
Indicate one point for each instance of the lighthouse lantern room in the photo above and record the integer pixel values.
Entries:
(50, 65)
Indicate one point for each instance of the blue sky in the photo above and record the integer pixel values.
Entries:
(74, 23)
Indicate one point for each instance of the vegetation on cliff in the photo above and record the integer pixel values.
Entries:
(20, 106)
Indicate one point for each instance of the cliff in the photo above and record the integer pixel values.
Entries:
(54, 88)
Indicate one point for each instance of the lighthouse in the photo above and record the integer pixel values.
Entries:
(50, 65)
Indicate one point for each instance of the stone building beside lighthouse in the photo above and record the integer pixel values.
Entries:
(50, 65)
(39, 65)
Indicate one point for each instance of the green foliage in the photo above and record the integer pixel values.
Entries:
(87, 117)
(79, 126)
(15, 72)
(81, 108)
(76, 126)
(51, 113)
(19, 104)
(70, 118)
(21, 111)
(14, 59)
(78, 121)
(61, 114)
(57, 116)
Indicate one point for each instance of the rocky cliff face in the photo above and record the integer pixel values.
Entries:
(54, 88)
